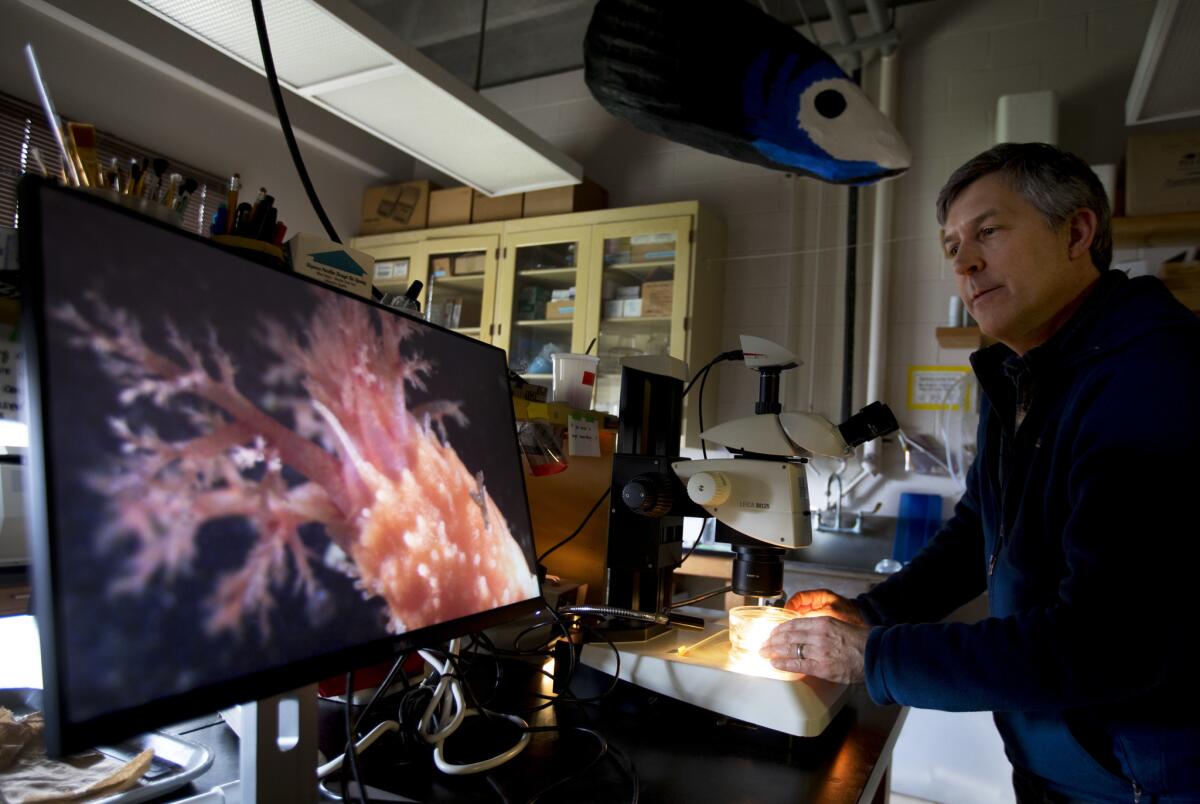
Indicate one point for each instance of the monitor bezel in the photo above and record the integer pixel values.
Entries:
(65, 736)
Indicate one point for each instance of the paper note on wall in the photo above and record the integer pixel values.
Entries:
(583, 436)
(939, 387)
(10, 373)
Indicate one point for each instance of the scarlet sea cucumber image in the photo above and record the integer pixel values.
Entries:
(251, 479)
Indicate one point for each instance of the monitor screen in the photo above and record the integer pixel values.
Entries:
(242, 481)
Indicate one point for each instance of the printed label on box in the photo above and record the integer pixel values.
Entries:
(939, 387)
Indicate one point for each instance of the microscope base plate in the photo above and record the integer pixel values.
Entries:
(696, 667)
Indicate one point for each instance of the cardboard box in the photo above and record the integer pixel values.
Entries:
(531, 303)
(614, 308)
(467, 264)
(499, 208)
(652, 247)
(395, 207)
(1183, 280)
(450, 207)
(632, 308)
(656, 297)
(331, 263)
(391, 271)
(582, 197)
(441, 265)
(456, 312)
(560, 309)
(1162, 173)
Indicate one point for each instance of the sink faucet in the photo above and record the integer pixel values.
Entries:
(837, 526)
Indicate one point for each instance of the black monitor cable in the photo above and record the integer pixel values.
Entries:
(285, 122)
(577, 530)
(351, 750)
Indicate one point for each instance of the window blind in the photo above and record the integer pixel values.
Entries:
(23, 128)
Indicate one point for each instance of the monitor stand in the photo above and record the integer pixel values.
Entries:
(278, 753)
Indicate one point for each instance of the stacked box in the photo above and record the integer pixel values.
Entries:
(531, 303)
(395, 207)
(656, 297)
(467, 264)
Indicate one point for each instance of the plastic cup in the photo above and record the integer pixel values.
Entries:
(751, 626)
(574, 379)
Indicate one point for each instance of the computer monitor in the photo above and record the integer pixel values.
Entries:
(242, 481)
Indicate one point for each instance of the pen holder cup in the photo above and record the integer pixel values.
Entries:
(258, 250)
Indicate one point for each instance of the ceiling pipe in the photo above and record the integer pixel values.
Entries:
(881, 238)
(882, 22)
(845, 30)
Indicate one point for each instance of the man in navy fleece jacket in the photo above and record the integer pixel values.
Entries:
(1078, 517)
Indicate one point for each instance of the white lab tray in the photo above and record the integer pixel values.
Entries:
(176, 761)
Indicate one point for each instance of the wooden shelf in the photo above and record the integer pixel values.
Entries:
(640, 268)
(1179, 229)
(548, 273)
(467, 330)
(538, 377)
(962, 338)
(469, 280)
(636, 319)
(564, 323)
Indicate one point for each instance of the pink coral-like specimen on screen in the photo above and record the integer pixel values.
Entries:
(413, 525)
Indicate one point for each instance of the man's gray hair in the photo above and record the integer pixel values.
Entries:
(1053, 181)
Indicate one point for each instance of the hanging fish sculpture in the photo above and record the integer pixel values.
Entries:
(722, 76)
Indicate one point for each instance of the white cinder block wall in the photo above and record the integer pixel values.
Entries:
(786, 254)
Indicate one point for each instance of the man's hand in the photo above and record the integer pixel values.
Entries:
(824, 603)
(828, 648)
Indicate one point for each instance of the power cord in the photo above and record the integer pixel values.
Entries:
(577, 530)
(445, 712)
(285, 122)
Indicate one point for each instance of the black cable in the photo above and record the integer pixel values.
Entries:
(285, 123)
(625, 763)
(732, 354)
(581, 771)
(351, 755)
(577, 530)
(479, 57)
(700, 409)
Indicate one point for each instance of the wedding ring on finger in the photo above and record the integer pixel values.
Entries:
(800, 651)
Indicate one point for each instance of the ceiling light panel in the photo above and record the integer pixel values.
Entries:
(417, 119)
(308, 43)
(332, 53)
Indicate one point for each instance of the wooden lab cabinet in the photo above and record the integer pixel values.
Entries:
(637, 280)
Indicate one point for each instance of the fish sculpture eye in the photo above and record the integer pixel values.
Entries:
(830, 103)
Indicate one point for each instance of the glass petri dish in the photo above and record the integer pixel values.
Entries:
(750, 626)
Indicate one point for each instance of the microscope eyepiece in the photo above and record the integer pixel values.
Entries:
(873, 421)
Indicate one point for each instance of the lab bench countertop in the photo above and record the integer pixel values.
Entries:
(680, 752)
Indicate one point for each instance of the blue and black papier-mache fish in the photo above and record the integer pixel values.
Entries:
(722, 76)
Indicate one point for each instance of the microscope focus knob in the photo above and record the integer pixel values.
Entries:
(709, 489)
(649, 495)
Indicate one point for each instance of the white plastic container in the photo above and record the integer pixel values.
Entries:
(574, 379)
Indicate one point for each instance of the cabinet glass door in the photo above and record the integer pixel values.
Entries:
(543, 296)
(396, 266)
(460, 287)
(640, 296)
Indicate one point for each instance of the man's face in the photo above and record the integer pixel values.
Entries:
(1013, 271)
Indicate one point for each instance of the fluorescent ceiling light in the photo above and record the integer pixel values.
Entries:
(333, 54)
(1164, 85)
